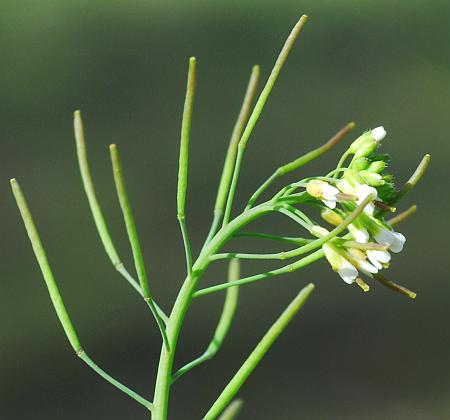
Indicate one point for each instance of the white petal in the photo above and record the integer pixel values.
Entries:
(393, 240)
(329, 203)
(378, 258)
(363, 191)
(378, 133)
(398, 242)
(383, 236)
(382, 256)
(347, 272)
(329, 192)
(372, 258)
(345, 186)
(360, 234)
(367, 267)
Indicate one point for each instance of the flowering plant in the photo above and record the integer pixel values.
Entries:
(353, 199)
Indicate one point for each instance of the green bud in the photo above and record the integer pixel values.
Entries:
(360, 141)
(366, 148)
(360, 164)
(332, 217)
(353, 177)
(377, 166)
(372, 178)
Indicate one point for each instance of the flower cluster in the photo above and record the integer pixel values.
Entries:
(366, 246)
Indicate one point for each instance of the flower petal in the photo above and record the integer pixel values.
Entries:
(398, 242)
(347, 271)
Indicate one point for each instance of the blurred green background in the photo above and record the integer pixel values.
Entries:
(348, 354)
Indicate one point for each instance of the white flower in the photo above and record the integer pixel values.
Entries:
(378, 258)
(326, 192)
(360, 234)
(378, 133)
(340, 264)
(393, 240)
(362, 191)
(358, 258)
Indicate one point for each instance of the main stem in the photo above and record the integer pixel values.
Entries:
(184, 298)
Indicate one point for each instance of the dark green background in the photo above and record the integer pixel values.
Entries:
(348, 354)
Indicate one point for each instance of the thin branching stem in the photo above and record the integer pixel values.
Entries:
(401, 217)
(305, 248)
(56, 297)
(290, 268)
(134, 239)
(257, 110)
(226, 318)
(96, 210)
(301, 161)
(184, 159)
(227, 171)
(413, 180)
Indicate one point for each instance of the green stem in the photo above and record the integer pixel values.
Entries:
(230, 158)
(413, 180)
(226, 318)
(134, 239)
(83, 356)
(301, 161)
(184, 159)
(184, 298)
(401, 217)
(96, 210)
(317, 255)
(258, 353)
(305, 248)
(290, 240)
(55, 294)
(257, 110)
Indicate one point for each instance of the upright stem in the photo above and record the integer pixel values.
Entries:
(184, 298)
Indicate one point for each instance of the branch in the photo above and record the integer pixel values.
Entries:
(301, 161)
(226, 318)
(134, 239)
(56, 298)
(96, 211)
(227, 171)
(257, 110)
(184, 159)
(283, 270)
(413, 180)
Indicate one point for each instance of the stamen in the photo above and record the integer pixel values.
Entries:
(385, 207)
(369, 245)
(362, 284)
(346, 197)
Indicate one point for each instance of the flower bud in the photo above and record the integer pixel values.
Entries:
(367, 143)
(319, 231)
(378, 133)
(353, 177)
(360, 164)
(372, 178)
(377, 166)
(332, 217)
(366, 149)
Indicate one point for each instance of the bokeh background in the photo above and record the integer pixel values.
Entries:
(348, 354)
